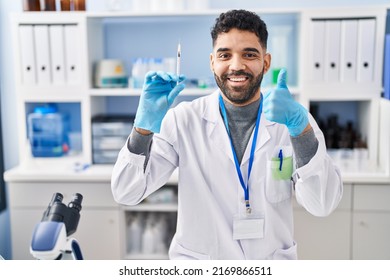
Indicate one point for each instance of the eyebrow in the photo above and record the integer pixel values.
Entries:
(252, 50)
(246, 49)
(223, 49)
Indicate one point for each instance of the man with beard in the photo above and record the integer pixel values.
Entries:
(240, 153)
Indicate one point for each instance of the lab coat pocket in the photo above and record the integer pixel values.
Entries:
(286, 254)
(279, 172)
(179, 252)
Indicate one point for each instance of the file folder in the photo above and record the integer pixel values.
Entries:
(42, 54)
(366, 49)
(349, 43)
(27, 54)
(386, 71)
(332, 50)
(317, 50)
(57, 50)
(72, 54)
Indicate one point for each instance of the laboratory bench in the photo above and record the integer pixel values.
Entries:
(357, 229)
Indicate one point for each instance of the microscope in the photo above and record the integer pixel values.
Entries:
(51, 239)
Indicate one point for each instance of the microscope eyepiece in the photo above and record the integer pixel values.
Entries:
(75, 203)
(59, 212)
(57, 197)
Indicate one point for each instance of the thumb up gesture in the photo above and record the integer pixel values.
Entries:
(279, 106)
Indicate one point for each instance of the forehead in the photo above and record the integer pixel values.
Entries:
(237, 40)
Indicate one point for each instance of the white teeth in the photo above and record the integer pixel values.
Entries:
(238, 79)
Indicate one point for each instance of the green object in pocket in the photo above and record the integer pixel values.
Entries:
(287, 168)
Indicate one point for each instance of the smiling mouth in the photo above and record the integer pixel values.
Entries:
(237, 79)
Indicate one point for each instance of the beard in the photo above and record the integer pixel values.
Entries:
(240, 94)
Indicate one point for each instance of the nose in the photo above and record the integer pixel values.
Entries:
(237, 63)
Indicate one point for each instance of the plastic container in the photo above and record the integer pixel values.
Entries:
(110, 73)
(139, 69)
(47, 132)
(148, 238)
(134, 235)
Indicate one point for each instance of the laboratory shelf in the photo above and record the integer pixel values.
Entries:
(184, 13)
(137, 92)
(63, 98)
(115, 92)
(53, 92)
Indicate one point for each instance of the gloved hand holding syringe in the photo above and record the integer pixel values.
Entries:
(159, 91)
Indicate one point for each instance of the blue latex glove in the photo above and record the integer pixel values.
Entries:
(159, 91)
(279, 106)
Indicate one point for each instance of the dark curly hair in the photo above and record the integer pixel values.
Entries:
(242, 20)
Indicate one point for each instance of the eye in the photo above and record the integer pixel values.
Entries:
(251, 55)
(223, 56)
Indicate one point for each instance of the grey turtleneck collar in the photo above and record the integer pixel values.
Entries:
(242, 120)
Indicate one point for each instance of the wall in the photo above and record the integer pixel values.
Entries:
(8, 109)
(8, 99)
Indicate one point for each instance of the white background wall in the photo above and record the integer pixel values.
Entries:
(8, 99)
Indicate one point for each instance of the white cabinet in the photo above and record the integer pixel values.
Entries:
(371, 222)
(358, 229)
(371, 230)
(328, 27)
(343, 51)
(98, 233)
(49, 68)
(99, 230)
(328, 237)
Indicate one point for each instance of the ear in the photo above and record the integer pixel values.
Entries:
(212, 62)
(267, 62)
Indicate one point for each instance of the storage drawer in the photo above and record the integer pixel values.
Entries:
(111, 129)
(109, 143)
(105, 157)
(25, 195)
(112, 125)
(372, 197)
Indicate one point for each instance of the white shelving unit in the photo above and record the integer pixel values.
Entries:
(363, 68)
(118, 35)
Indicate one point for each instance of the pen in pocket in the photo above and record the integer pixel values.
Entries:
(280, 159)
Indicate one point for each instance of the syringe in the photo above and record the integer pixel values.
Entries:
(178, 60)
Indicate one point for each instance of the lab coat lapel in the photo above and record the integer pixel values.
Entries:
(215, 128)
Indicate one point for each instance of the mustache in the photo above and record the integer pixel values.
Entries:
(237, 73)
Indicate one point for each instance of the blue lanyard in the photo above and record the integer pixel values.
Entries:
(252, 154)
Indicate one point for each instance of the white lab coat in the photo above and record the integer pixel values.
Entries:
(193, 137)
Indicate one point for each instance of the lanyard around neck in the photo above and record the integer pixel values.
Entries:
(252, 154)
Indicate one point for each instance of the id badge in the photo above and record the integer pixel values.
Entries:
(248, 226)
